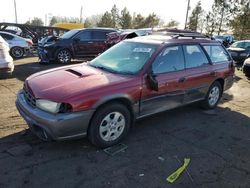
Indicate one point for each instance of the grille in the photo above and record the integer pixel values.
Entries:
(29, 98)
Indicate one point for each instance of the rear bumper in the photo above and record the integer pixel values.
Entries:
(7, 67)
(55, 126)
(246, 69)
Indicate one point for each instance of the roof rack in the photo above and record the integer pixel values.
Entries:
(191, 35)
(176, 35)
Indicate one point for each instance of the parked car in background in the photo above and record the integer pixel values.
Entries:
(6, 61)
(246, 67)
(116, 37)
(136, 78)
(240, 50)
(18, 45)
(226, 40)
(77, 43)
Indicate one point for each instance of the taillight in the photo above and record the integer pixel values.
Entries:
(29, 42)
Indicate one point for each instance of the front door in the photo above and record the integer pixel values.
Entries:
(169, 71)
(82, 44)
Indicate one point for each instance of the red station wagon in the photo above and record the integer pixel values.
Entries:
(138, 77)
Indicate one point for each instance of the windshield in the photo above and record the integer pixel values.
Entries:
(238, 45)
(125, 57)
(219, 37)
(69, 34)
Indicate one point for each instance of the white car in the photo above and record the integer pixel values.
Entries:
(6, 61)
(18, 45)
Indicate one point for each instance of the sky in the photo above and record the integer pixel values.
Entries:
(27, 9)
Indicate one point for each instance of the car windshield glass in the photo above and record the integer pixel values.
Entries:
(124, 58)
(219, 37)
(238, 45)
(69, 34)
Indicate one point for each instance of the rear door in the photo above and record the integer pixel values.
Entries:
(200, 73)
(98, 42)
(169, 71)
(82, 43)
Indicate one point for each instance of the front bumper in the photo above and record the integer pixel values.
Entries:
(53, 126)
(246, 69)
(44, 55)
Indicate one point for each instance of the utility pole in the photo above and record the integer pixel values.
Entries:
(81, 15)
(15, 10)
(187, 15)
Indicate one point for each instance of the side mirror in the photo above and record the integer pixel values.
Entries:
(153, 83)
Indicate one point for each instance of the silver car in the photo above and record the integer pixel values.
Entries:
(18, 45)
(6, 61)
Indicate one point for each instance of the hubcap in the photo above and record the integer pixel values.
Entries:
(17, 52)
(214, 95)
(64, 56)
(112, 126)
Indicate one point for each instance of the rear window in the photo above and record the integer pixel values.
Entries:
(216, 53)
(99, 35)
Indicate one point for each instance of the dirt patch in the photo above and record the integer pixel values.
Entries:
(217, 142)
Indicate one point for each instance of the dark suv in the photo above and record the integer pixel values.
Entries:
(133, 79)
(78, 43)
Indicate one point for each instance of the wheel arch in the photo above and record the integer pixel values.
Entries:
(123, 99)
(222, 82)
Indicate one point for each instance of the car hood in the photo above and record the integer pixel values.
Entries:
(236, 49)
(61, 83)
(48, 40)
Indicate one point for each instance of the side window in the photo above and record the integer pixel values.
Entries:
(216, 53)
(99, 35)
(6, 36)
(85, 36)
(169, 60)
(194, 55)
(247, 45)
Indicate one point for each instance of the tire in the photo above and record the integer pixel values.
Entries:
(104, 131)
(213, 96)
(16, 52)
(63, 56)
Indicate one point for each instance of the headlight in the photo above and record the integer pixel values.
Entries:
(48, 106)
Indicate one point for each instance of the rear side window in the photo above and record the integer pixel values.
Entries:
(216, 53)
(169, 60)
(85, 36)
(99, 35)
(6, 36)
(194, 56)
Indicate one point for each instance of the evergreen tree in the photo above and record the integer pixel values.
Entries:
(194, 18)
(106, 20)
(241, 23)
(138, 21)
(125, 19)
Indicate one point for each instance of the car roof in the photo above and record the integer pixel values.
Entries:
(97, 28)
(164, 39)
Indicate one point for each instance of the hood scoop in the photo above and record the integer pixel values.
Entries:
(72, 71)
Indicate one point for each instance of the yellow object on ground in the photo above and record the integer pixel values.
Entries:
(69, 25)
(177, 173)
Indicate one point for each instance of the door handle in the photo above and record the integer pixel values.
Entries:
(90, 42)
(182, 80)
(213, 73)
